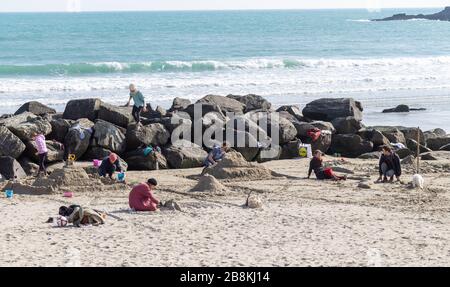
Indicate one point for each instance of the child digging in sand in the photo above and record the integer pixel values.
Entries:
(316, 165)
(42, 152)
(109, 166)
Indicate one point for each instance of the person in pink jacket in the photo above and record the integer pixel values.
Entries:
(42, 151)
(141, 197)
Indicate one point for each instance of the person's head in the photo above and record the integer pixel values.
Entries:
(132, 88)
(318, 154)
(387, 150)
(225, 147)
(152, 182)
(113, 157)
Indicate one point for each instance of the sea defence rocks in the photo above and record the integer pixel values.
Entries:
(109, 136)
(77, 140)
(120, 116)
(84, 108)
(347, 125)
(10, 144)
(54, 154)
(10, 168)
(252, 102)
(292, 110)
(437, 143)
(393, 134)
(35, 108)
(350, 145)
(328, 109)
(153, 161)
(444, 15)
(398, 109)
(226, 104)
(60, 128)
(179, 104)
(184, 154)
(153, 134)
(26, 124)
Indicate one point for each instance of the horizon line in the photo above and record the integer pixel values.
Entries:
(219, 10)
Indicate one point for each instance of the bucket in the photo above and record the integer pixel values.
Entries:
(147, 151)
(68, 194)
(9, 193)
(121, 176)
(96, 163)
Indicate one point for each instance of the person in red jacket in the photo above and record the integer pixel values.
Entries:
(141, 197)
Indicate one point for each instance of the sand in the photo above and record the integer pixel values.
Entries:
(301, 223)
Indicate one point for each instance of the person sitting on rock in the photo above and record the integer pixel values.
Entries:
(109, 166)
(216, 154)
(42, 152)
(141, 197)
(389, 165)
(316, 165)
(139, 103)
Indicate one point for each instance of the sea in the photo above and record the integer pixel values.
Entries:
(287, 56)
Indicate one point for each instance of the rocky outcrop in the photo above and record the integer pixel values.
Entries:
(36, 108)
(25, 125)
(10, 168)
(252, 102)
(10, 144)
(84, 108)
(350, 145)
(179, 104)
(153, 134)
(444, 15)
(109, 136)
(120, 116)
(225, 104)
(184, 154)
(437, 143)
(328, 109)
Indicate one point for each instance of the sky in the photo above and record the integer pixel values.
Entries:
(133, 5)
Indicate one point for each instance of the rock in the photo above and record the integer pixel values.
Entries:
(293, 110)
(290, 150)
(208, 183)
(83, 108)
(202, 109)
(109, 136)
(321, 125)
(60, 128)
(153, 161)
(252, 102)
(404, 152)
(254, 201)
(184, 154)
(374, 136)
(409, 160)
(28, 166)
(226, 104)
(35, 108)
(350, 145)
(10, 168)
(364, 185)
(444, 15)
(398, 109)
(413, 133)
(120, 116)
(55, 153)
(96, 152)
(323, 143)
(268, 154)
(161, 111)
(412, 145)
(393, 134)
(328, 109)
(428, 156)
(435, 133)
(179, 104)
(213, 118)
(243, 123)
(10, 144)
(347, 125)
(445, 148)
(26, 124)
(438, 142)
(286, 130)
(77, 140)
(153, 134)
(370, 155)
(245, 143)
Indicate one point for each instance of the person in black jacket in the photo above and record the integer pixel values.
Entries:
(389, 165)
(109, 165)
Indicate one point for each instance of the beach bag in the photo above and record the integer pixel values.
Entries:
(314, 134)
(305, 150)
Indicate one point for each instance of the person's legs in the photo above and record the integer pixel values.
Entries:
(384, 169)
(329, 174)
(42, 158)
(390, 173)
(133, 113)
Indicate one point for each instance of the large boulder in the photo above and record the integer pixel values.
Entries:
(438, 142)
(26, 127)
(152, 161)
(55, 152)
(290, 150)
(202, 109)
(324, 126)
(293, 110)
(374, 136)
(245, 143)
(109, 136)
(242, 123)
(398, 109)
(83, 108)
(269, 153)
(412, 133)
(184, 154)
(412, 145)
(78, 139)
(350, 145)
(404, 152)
(60, 128)
(226, 104)
(445, 148)
(252, 102)
(435, 133)
(96, 152)
(120, 116)
(35, 108)
(153, 134)
(328, 109)
(10, 168)
(10, 144)
(286, 129)
(347, 125)
(28, 166)
(179, 104)
(393, 134)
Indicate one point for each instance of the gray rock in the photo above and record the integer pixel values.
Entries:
(268, 154)
(328, 109)
(438, 142)
(393, 134)
(226, 104)
(412, 133)
(245, 143)
(60, 128)
(26, 124)
(398, 109)
(321, 125)
(370, 155)
(404, 152)
(151, 162)
(412, 145)
(28, 166)
(347, 125)
(445, 148)
(409, 160)
(179, 104)
(290, 150)
(77, 141)
(109, 136)
(350, 145)
(428, 156)
(374, 136)
(120, 116)
(153, 134)
(293, 110)
(184, 154)
(55, 153)
(83, 108)
(10, 144)
(203, 109)
(10, 168)
(35, 108)
(252, 102)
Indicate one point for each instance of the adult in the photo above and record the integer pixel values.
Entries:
(141, 196)
(389, 165)
(139, 103)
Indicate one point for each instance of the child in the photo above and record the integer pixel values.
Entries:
(109, 166)
(316, 165)
(139, 103)
(42, 152)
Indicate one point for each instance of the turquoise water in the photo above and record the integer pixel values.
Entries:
(286, 56)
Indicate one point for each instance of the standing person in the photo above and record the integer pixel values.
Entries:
(316, 165)
(139, 103)
(141, 197)
(109, 166)
(42, 151)
(389, 165)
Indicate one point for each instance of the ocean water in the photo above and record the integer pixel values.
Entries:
(290, 57)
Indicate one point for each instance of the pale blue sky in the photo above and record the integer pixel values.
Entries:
(108, 5)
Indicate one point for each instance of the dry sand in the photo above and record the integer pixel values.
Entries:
(302, 222)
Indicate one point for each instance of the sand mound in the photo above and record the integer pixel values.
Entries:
(65, 177)
(234, 166)
(208, 183)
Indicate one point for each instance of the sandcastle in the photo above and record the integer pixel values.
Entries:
(209, 183)
(234, 165)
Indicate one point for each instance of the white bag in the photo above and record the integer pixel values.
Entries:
(305, 150)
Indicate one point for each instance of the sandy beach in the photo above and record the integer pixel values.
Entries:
(302, 223)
